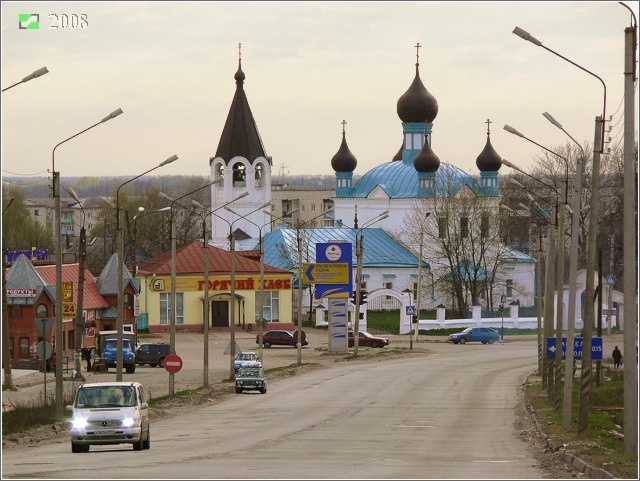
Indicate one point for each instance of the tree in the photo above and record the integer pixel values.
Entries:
(20, 230)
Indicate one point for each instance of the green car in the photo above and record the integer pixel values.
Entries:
(251, 379)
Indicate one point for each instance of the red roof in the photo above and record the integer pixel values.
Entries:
(190, 260)
(92, 298)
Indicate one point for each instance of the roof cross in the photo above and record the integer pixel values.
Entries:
(344, 122)
(488, 122)
(418, 53)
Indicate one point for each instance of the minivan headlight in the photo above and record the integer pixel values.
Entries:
(79, 423)
(128, 422)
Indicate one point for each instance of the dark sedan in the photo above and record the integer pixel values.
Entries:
(369, 340)
(281, 338)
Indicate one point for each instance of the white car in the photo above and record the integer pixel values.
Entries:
(110, 413)
(246, 359)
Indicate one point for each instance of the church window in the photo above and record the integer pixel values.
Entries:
(509, 287)
(442, 227)
(464, 227)
(239, 175)
(41, 311)
(259, 175)
(417, 141)
(220, 173)
(407, 141)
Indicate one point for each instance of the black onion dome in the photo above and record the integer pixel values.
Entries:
(489, 160)
(344, 160)
(426, 160)
(398, 156)
(239, 75)
(417, 104)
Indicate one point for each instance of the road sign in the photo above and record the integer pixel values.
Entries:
(69, 310)
(173, 363)
(67, 291)
(611, 279)
(335, 252)
(44, 324)
(411, 311)
(596, 348)
(44, 350)
(326, 273)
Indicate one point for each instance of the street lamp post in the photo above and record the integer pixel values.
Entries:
(31, 76)
(6, 347)
(598, 148)
(79, 323)
(135, 234)
(120, 265)
(560, 266)
(58, 233)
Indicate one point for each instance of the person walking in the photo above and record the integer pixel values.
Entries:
(87, 356)
(617, 357)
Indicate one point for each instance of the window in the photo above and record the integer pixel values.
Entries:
(36, 212)
(302, 208)
(16, 312)
(415, 291)
(484, 225)
(128, 300)
(71, 339)
(11, 348)
(442, 227)
(220, 173)
(313, 207)
(239, 175)
(258, 175)
(41, 310)
(270, 306)
(509, 287)
(388, 285)
(24, 348)
(164, 308)
(464, 227)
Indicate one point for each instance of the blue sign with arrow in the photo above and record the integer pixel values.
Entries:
(596, 348)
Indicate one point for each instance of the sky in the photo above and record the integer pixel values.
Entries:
(309, 65)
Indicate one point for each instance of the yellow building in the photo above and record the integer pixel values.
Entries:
(155, 291)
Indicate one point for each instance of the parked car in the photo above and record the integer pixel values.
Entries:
(246, 359)
(110, 413)
(251, 379)
(480, 334)
(281, 338)
(152, 354)
(369, 340)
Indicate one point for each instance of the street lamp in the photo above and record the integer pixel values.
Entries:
(573, 274)
(6, 347)
(120, 259)
(31, 76)
(560, 265)
(261, 303)
(232, 248)
(172, 300)
(205, 316)
(79, 325)
(585, 384)
(58, 234)
(135, 234)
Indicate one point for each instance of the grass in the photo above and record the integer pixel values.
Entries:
(603, 444)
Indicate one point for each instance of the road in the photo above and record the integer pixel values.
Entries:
(447, 415)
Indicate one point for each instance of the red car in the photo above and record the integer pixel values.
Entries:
(280, 338)
(369, 340)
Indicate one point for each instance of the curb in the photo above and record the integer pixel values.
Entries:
(575, 462)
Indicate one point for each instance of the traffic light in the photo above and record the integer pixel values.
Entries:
(363, 295)
(501, 307)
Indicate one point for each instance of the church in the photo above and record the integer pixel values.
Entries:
(427, 202)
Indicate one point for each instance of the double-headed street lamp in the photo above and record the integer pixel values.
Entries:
(58, 234)
(120, 259)
(31, 76)
(261, 302)
(232, 248)
(205, 315)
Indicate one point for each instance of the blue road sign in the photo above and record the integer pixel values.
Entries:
(611, 279)
(596, 348)
(411, 310)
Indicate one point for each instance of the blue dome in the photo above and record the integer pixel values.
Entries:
(400, 180)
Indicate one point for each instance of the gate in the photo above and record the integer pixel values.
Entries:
(386, 311)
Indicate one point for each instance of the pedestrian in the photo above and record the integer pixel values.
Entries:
(87, 356)
(617, 357)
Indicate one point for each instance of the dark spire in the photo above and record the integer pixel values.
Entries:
(426, 160)
(240, 135)
(489, 160)
(344, 160)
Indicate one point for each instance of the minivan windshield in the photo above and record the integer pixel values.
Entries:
(106, 397)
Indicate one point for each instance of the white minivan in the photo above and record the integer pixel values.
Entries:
(110, 413)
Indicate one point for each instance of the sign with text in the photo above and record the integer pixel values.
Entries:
(21, 293)
(335, 252)
(69, 310)
(67, 291)
(596, 348)
(325, 273)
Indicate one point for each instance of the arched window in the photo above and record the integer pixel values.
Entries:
(128, 300)
(239, 175)
(41, 311)
(259, 175)
(219, 174)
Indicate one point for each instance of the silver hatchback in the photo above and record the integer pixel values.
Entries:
(110, 413)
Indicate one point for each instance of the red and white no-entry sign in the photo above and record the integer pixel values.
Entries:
(173, 363)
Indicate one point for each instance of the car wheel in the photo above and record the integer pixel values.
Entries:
(76, 447)
(147, 442)
(85, 448)
(263, 390)
(484, 342)
(161, 362)
(463, 340)
(137, 446)
(238, 390)
(492, 340)
(153, 365)
(267, 345)
(131, 369)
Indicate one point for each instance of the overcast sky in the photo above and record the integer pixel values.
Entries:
(309, 65)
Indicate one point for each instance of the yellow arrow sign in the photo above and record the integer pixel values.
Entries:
(326, 273)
